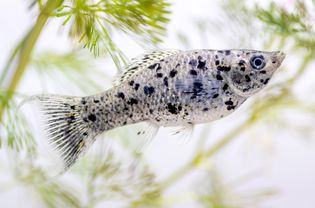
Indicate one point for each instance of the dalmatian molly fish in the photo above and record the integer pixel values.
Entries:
(163, 88)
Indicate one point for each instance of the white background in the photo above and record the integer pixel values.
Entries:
(283, 161)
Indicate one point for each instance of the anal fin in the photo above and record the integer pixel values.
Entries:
(145, 135)
(183, 133)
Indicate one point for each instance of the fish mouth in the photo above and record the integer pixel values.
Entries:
(280, 56)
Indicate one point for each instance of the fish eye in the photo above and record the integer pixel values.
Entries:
(257, 62)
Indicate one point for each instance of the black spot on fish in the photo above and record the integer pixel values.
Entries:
(197, 87)
(131, 82)
(224, 68)
(68, 131)
(173, 73)
(71, 119)
(153, 66)
(266, 81)
(72, 107)
(92, 117)
(225, 87)
(121, 95)
(263, 72)
(137, 85)
(159, 75)
(217, 62)
(230, 105)
(132, 101)
(219, 77)
(201, 64)
(229, 102)
(227, 52)
(241, 63)
(96, 101)
(148, 90)
(173, 109)
(215, 96)
(165, 81)
(247, 78)
(83, 101)
(133, 68)
(177, 65)
(205, 109)
(193, 96)
(193, 72)
(85, 134)
(151, 111)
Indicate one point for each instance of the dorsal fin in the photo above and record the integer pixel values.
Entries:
(142, 62)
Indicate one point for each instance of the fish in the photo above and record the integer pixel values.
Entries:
(162, 88)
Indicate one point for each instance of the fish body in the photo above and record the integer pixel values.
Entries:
(164, 88)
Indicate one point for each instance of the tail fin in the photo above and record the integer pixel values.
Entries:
(67, 135)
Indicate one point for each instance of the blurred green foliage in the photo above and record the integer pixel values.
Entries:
(296, 24)
(15, 133)
(215, 193)
(93, 21)
(107, 178)
(73, 66)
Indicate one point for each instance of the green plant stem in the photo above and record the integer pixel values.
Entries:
(26, 49)
(10, 61)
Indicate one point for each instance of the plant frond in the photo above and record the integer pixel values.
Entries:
(92, 22)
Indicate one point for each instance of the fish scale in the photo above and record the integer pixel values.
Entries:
(163, 88)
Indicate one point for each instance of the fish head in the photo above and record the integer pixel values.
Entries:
(251, 70)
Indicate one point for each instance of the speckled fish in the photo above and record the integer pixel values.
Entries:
(163, 88)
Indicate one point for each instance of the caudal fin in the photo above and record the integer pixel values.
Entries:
(67, 135)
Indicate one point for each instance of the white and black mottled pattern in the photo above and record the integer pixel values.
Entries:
(142, 62)
(171, 88)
